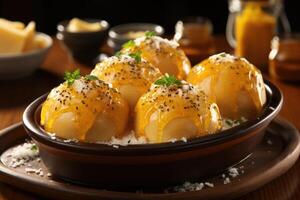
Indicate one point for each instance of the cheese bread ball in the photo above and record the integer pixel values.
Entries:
(162, 53)
(174, 109)
(233, 83)
(132, 76)
(86, 110)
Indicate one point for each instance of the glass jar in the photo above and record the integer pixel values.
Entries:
(194, 34)
(284, 58)
(251, 26)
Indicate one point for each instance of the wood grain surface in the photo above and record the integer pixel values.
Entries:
(15, 95)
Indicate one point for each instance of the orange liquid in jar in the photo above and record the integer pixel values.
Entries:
(254, 30)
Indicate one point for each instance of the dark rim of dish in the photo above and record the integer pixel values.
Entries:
(271, 109)
(61, 26)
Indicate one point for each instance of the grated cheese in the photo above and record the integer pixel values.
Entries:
(156, 42)
(226, 181)
(129, 139)
(35, 171)
(23, 153)
(223, 57)
(209, 184)
(233, 172)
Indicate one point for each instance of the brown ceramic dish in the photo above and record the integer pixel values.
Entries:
(147, 165)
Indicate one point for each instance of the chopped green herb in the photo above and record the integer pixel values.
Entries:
(118, 54)
(223, 55)
(239, 121)
(129, 44)
(136, 56)
(34, 147)
(168, 80)
(70, 77)
(150, 34)
(229, 122)
(91, 77)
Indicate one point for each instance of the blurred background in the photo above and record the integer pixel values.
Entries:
(47, 13)
(266, 32)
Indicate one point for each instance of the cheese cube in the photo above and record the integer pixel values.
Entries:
(30, 33)
(78, 25)
(18, 25)
(12, 40)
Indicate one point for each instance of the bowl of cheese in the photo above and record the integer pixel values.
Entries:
(22, 49)
(83, 38)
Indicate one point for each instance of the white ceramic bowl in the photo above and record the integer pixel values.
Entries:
(22, 64)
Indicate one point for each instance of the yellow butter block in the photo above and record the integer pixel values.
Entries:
(78, 25)
(12, 39)
(15, 24)
(254, 30)
(30, 35)
(37, 43)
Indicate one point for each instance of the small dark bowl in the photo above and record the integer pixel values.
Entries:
(84, 46)
(162, 164)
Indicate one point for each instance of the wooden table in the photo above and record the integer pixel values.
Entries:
(17, 94)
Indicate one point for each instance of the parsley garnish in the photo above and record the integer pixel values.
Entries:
(223, 54)
(229, 122)
(118, 54)
(129, 44)
(91, 77)
(168, 80)
(235, 122)
(34, 147)
(70, 77)
(150, 34)
(136, 56)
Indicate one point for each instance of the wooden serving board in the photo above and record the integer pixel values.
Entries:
(273, 157)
